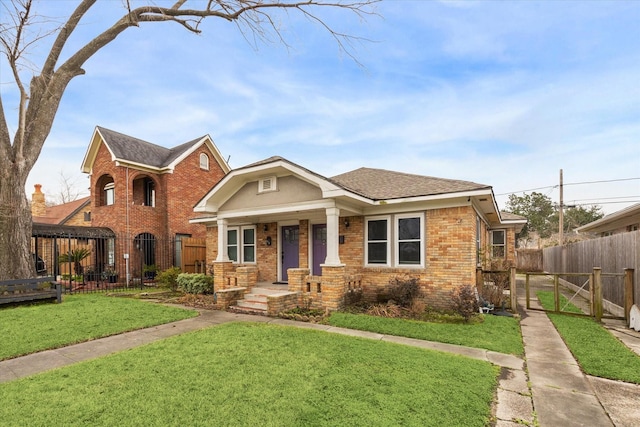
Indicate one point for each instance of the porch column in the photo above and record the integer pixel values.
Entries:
(333, 229)
(223, 255)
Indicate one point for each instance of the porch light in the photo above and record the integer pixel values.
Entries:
(268, 240)
(346, 222)
(265, 228)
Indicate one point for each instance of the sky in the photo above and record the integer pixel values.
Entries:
(502, 93)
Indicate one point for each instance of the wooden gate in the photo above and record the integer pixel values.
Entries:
(194, 255)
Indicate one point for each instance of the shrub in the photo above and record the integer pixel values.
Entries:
(385, 310)
(464, 301)
(169, 278)
(404, 290)
(198, 283)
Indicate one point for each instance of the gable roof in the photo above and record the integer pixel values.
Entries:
(380, 184)
(137, 153)
(59, 214)
(360, 190)
(627, 216)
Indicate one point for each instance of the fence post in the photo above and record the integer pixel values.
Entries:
(556, 292)
(512, 290)
(629, 297)
(526, 289)
(597, 292)
(592, 296)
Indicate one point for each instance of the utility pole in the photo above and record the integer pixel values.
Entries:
(561, 215)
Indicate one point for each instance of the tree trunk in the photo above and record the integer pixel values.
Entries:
(15, 225)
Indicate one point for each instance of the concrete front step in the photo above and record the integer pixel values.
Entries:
(251, 304)
(247, 310)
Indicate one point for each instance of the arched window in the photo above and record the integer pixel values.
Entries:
(144, 191)
(105, 191)
(204, 161)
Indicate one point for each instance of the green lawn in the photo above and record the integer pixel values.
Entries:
(598, 352)
(27, 329)
(496, 333)
(246, 374)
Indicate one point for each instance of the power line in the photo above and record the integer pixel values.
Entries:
(599, 182)
(606, 198)
(572, 183)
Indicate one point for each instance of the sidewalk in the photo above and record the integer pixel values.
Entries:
(562, 394)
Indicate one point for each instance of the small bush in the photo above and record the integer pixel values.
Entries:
(169, 278)
(464, 301)
(353, 297)
(195, 283)
(385, 310)
(404, 290)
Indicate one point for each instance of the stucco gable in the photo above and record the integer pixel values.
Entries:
(290, 189)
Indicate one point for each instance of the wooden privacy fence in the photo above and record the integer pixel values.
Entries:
(612, 254)
(194, 255)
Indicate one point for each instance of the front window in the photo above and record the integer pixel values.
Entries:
(404, 233)
(241, 244)
(409, 232)
(378, 241)
(498, 244)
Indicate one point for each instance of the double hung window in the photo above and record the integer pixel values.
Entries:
(395, 241)
(241, 244)
(498, 241)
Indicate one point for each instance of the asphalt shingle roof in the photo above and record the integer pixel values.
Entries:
(380, 184)
(138, 151)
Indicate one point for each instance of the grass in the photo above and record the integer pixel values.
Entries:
(598, 352)
(241, 374)
(27, 329)
(496, 333)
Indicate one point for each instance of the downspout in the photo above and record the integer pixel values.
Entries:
(126, 256)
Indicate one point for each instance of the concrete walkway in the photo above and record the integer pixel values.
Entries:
(562, 394)
(549, 387)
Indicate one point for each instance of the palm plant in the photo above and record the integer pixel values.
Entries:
(76, 256)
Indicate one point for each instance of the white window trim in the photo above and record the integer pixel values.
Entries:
(204, 161)
(396, 239)
(241, 245)
(366, 240)
(503, 245)
(109, 189)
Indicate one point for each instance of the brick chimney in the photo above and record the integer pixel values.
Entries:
(38, 205)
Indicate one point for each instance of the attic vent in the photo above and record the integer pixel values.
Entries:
(267, 184)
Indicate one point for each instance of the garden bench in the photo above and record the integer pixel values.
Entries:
(19, 290)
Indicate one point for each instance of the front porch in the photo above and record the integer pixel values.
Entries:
(238, 288)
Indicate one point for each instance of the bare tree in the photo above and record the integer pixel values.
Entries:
(69, 189)
(21, 28)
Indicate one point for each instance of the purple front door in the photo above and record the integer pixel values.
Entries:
(319, 248)
(290, 249)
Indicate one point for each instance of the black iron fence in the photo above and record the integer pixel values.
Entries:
(95, 263)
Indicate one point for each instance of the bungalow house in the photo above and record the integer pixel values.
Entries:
(276, 222)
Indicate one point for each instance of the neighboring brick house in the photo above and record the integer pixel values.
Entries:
(47, 221)
(275, 221)
(145, 193)
(622, 221)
